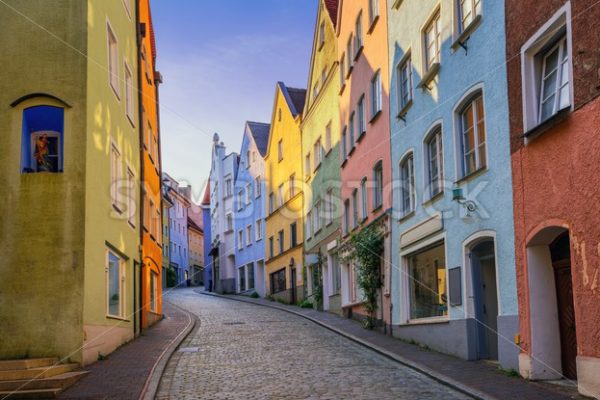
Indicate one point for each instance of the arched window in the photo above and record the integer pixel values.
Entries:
(434, 156)
(42, 139)
(472, 135)
(407, 175)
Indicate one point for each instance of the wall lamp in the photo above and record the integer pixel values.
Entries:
(457, 195)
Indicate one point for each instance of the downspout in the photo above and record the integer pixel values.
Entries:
(138, 31)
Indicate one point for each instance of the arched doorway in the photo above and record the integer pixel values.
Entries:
(551, 310)
(485, 297)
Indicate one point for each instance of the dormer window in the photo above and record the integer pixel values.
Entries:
(42, 139)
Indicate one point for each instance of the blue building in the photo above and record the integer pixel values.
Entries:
(178, 230)
(249, 210)
(453, 281)
(205, 206)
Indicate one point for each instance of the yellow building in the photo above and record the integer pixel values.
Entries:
(283, 174)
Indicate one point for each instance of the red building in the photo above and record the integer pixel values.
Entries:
(553, 87)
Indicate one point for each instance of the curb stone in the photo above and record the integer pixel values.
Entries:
(443, 379)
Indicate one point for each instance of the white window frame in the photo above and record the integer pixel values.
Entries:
(364, 199)
(280, 150)
(373, 11)
(376, 94)
(468, 100)
(328, 138)
(404, 65)
(358, 36)
(433, 24)
(248, 235)
(318, 153)
(240, 238)
(122, 284)
(113, 59)
(248, 194)
(328, 207)
(362, 116)
(258, 230)
(407, 172)
(321, 35)
(116, 173)
(131, 196)
(258, 187)
(431, 136)
(475, 9)
(129, 94)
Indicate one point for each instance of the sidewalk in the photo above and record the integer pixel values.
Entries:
(134, 370)
(475, 378)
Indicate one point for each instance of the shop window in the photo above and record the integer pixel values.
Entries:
(427, 283)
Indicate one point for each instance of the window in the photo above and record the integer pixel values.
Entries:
(131, 201)
(292, 184)
(324, 76)
(472, 123)
(336, 273)
(271, 247)
(317, 217)
(431, 41)
(127, 4)
(346, 216)
(280, 150)
(278, 281)
(281, 243)
(435, 162)
(42, 139)
(258, 229)
(240, 240)
(321, 35)
(328, 136)
(293, 235)
(257, 186)
(362, 118)
(351, 131)
(153, 291)
(344, 144)
(229, 219)
(554, 80)
(248, 194)
(349, 54)
(315, 90)
(228, 187)
(373, 11)
(115, 279)
(407, 175)
(378, 192)
(342, 70)
(129, 105)
(271, 203)
(113, 60)
(358, 39)
(363, 198)
(404, 78)
(242, 278)
(467, 11)
(115, 174)
(355, 217)
(250, 272)
(248, 235)
(309, 224)
(281, 195)
(376, 100)
(318, 152)
(427, 283)
(240, 200)
(328, 207)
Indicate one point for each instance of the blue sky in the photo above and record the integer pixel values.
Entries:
(220, 60)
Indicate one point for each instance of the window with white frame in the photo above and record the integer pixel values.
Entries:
(258, 229)
(329, 207)
(362, 116)
(378, 189)
(271, 202)
(472, 129)
(228, 187)
(363, 198)
(240, 239)
(257, 186)
(404, 79)
(315, 90)
(131, 200)
(129, 100)
(318, 152)
(324, 76)
(432, 41)
(281, 195)
(376, 93)
(467, 11)
(115, 281)
(248, 235)
(355, 216)
(344, 144)
(554, 80)
(435, 161)
(346, 216)
(358, 38)
(349, 54)
(115, 174)
(373, 11)
(328, 142)
(407, 175)
(113, 59)
(309, 223)
(248, 194)
(127, 4)
(281, 239)
(317, 217)
(293, 235)
(351, 131)
(240, 200)
(342, 70)
(307, 166)
(153, 291)
(229, 220)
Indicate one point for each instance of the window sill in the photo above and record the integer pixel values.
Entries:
(342, 87)
(361, 136)
(404, 110)
(375, 117)
(471, 176)
(406, 216)
(122, 319)
(328, 151)
(350, 67)
(358, 53)
(351, 150)
(429, 76)
(115, 91)
(373, 23)
(130, 119)
(466, 34)
(317, 168)
(344, 162)
(131, 224)
(379, 207)
(117, 209)
(548, 124)
(427, 321)
(397, 4)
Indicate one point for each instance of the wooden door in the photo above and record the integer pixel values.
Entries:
(566, 318)
(293, 286)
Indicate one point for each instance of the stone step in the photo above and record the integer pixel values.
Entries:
(61, 382)
(27, 363)
(37, 373)
(31, 394)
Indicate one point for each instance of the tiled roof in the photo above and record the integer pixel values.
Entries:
(332, 8)
(206, 199)
(260, 133)
(194, 225)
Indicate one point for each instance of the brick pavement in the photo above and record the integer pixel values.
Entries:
(124, 373)
(484, 380)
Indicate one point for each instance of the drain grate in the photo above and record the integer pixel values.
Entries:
(234, 323)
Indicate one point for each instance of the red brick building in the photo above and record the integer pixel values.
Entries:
(553, 52)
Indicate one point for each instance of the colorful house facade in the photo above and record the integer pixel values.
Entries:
(284, 206)
(321, 152)
(249, 210)
(196, 247)
(362, 35)
(149, 79)
(553, 87)
(178, 231)
(166, 204)
(72, 167)
(207, 225)
(452, 232)
(224, 169)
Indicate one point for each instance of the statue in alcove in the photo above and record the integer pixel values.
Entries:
(42, 153)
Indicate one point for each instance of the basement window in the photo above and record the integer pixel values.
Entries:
(42, 139)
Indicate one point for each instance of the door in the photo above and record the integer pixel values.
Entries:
(566, 319)
(293, 286)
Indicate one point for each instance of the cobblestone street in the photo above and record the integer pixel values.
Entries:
(251, 352)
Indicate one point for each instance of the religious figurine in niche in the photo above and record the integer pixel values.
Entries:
(42, 154)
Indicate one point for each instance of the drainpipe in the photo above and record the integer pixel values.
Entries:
(138, 30)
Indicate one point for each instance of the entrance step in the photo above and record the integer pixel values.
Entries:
(61, 382)
(31, 394)
(27, 363)
(37, 372)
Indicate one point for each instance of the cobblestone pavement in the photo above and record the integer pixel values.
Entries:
(250, 352)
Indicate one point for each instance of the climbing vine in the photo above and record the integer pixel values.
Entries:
(364, 250)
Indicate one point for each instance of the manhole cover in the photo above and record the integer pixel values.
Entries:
(189, 349)
(234, 323)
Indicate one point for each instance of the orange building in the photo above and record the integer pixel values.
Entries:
(151, 233)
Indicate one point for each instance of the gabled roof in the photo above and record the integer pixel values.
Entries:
(206, 199)
(295, 98)
(194, 225)
(260, 133)
(332, 9)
